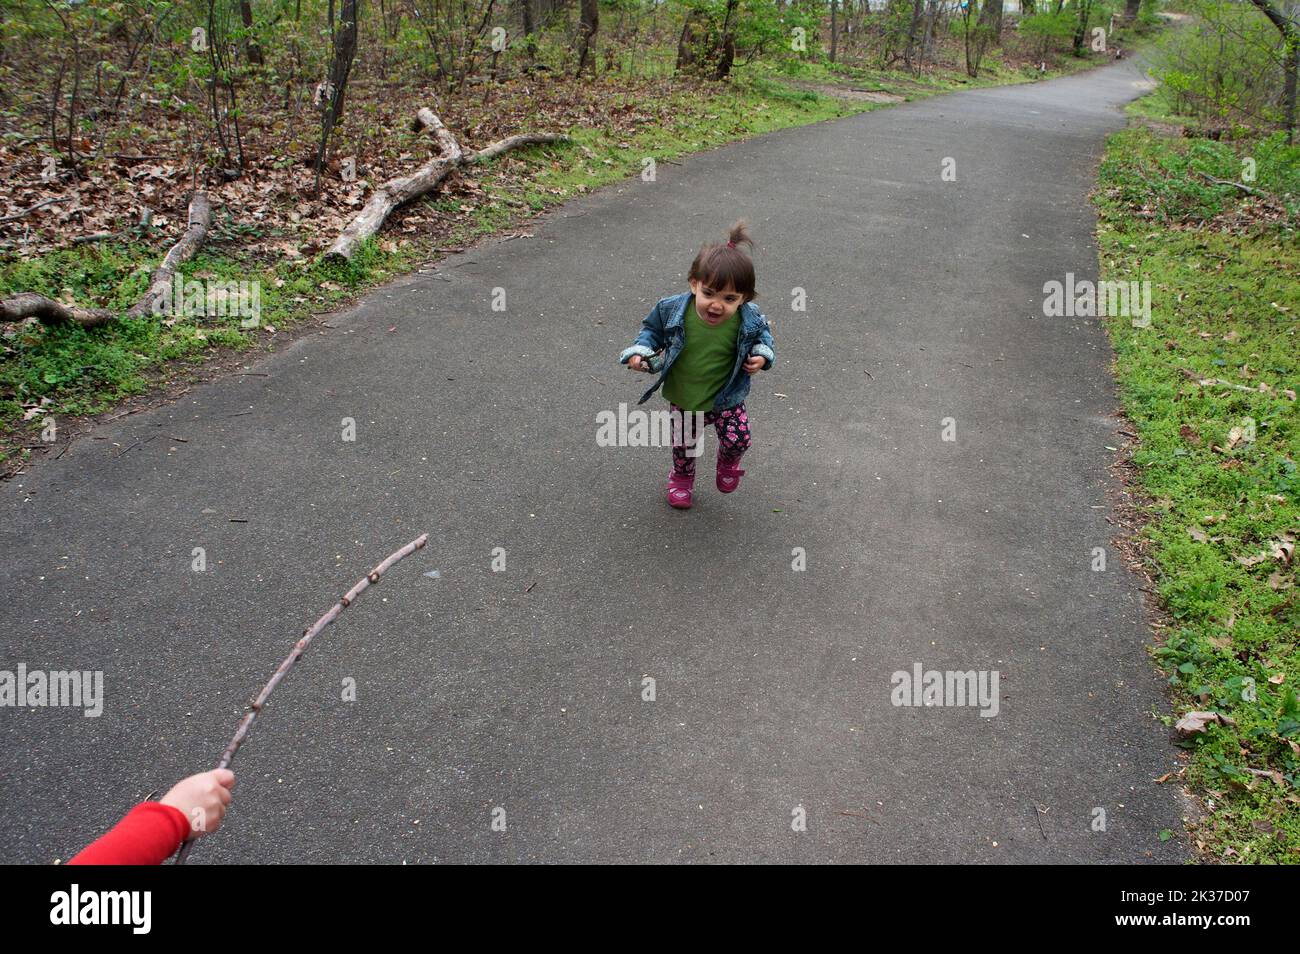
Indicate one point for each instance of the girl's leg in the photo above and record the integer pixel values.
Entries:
(733, 434)
(687, 434)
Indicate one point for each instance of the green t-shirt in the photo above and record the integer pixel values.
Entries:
(705, 363)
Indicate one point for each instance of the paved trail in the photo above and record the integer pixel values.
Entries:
(522, 689)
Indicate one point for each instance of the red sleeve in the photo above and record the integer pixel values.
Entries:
(148, 835)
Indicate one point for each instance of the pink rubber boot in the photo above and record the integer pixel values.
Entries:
(729, 475)
(679, 491)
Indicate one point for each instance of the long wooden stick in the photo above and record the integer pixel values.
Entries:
(299, 648)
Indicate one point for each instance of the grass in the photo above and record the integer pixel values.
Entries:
(1210, 387)
(80, 371)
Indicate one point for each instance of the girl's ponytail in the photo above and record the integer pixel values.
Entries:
(724, 264)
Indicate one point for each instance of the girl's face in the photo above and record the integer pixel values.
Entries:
(715, 305)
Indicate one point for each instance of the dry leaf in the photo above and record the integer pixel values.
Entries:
(1195, 722)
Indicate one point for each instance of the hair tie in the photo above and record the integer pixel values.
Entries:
(730, 244)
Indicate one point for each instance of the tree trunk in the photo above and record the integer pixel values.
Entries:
(692, 30)
(590, 23)
(727, 55)
(530, 41)
(345, 50)
(246, 15)
(835, 28)
(917, 7)
(927, 40)
(1081, 25)
(988, 31)
(1288, 90)
(1290, 56)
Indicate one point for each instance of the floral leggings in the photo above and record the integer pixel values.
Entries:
(733, 436)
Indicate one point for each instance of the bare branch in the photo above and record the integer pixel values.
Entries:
(26, 212)
(50, 312)
(300, 647)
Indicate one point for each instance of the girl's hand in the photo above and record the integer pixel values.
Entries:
(634, 362)
(754, 363)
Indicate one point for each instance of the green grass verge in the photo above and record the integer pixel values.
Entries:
(1218, 461)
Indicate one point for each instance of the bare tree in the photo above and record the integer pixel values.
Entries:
(454, 36)
(1081, 25)
(988, 30)
(918, 7)
(1290, 59)
(345, 49)
(253, 51)
(835, 28)
(587, 34)
(727, 48)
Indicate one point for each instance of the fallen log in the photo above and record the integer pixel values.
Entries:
(200, 217)
(50, 312)
(425, 179)
(511, 142)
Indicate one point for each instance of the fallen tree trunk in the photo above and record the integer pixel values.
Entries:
(50, 312)
(200, 217)
(511, 142)
(425, 179)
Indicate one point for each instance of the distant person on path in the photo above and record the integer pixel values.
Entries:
(152, 831)
(706, 343)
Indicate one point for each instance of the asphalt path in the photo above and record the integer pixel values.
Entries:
(502, 714)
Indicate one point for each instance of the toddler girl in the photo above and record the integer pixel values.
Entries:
(705, 344)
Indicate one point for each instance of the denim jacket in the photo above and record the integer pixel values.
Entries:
(663, 327)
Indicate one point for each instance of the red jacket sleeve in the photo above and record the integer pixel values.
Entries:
(148, 835)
